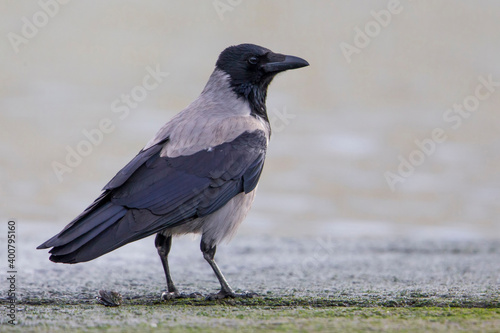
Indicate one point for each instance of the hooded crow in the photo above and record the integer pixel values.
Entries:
(198, 174)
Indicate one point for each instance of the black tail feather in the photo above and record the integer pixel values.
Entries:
(122, 232)
(84, 229)
(65, 244)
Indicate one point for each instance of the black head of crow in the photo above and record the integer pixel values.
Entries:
(198, 174)
(251, 69)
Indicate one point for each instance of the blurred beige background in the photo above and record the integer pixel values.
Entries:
(339, 125)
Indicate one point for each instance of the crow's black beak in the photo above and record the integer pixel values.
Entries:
(280, 63)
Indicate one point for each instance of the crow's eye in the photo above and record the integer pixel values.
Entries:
(253, 60)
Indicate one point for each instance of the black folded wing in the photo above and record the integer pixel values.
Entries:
(155, 192)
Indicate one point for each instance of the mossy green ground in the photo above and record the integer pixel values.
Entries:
(287, 314)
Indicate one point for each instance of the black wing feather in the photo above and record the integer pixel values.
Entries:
(152, 193)
(142, 157)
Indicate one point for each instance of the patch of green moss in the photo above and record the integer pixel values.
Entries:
(278, 314)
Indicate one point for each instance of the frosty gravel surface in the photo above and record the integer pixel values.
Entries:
(271, 266)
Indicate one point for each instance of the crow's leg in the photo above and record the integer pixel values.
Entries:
(163, 244)
(226, 290)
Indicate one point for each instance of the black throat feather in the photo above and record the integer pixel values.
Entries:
(255, 95)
